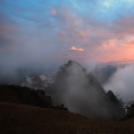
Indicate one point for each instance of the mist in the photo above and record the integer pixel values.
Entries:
(18, 63)
(78, 88)
(122, 83)
(82, 93)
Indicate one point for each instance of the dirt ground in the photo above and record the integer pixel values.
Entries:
(22, 119)
(16, 118)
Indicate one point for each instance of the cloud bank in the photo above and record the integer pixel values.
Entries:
(122, 83)
(81, 93)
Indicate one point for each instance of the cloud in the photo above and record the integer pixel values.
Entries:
(122, 83)
(77, 49)
(80, 92)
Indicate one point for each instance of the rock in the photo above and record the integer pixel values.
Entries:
(129, 114)
(116, 110)
(81, 92)
(61, 107)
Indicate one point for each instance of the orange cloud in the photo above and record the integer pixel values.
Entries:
(130, 43)
(77, 49)
(53, 11)
(116, 51)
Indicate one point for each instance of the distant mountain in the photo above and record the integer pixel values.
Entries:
(104, 73)
(37, 81)
(82, 93)
(78, 90)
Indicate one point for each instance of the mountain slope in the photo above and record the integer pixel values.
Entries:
(81, 93)
(24, 95)
(20, 119)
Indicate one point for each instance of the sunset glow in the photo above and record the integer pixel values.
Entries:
(105, 34)
(77, 49)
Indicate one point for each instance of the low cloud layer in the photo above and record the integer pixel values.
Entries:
(122, 83)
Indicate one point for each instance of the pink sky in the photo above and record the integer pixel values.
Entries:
(51, 31)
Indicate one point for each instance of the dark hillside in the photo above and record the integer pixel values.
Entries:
(22, 119)
(24, 95)
(18, 117)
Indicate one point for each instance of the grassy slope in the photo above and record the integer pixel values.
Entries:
(16, 118)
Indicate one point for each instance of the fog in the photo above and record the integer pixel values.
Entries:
(76, 87)
(14, 67)
(18, 64)
(122, 83)
(81, 93)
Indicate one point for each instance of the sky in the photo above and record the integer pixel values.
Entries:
(52, 31)
(38, 34)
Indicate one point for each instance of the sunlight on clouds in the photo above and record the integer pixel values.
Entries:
(77, 49)
(114, 50)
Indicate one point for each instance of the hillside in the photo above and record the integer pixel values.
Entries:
(19, 117)
(24, 95)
